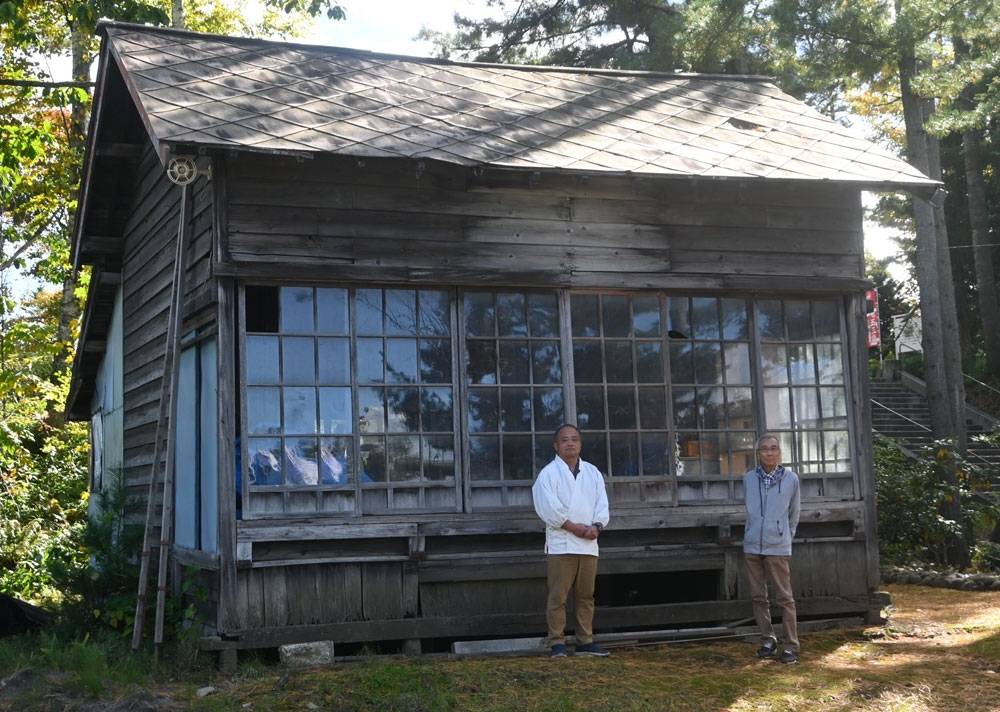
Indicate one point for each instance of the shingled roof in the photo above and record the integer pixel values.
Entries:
(204, 91)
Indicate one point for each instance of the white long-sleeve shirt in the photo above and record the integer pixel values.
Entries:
(558, 497)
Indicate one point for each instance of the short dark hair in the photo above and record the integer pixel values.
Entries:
(555, 435)
(767, 436)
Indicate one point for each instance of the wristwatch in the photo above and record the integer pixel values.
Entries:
(600, 527)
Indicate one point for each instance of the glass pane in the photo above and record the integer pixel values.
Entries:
(711, 408)
(334, 360)
(373, 458)
(265, 461)
(618, 361)
(368, 311)
(833, 405)
(770, 324)
(830, 362)
(484, 410)
(514, 363)
(544, 451)
(681, 362)
(649, 362)
(590, 408)
(543, 315)
(435, 319)
(546, 365)
(511, 317)
(548, 408)
(654, 454)
(652, 408)
(401, 360)
(806, 403)
(777, 409)
(262, 359)
(799, 320)
(438, 457)
(826, 320)
(801, 364)
(335, 410)
(404, 458)
(737, 363)
(480, 317)
(809, 450)
(646, 316)
(624, 455)
(301, 462)
(584, 314)
(594, 450)
(335, 455)
(740, 409)
(371, 366)
(517, 463)
(435, 360)
(401, 312)
(298, 360)
(621, 408)
(685, 413)
(708, 363)
(263, 411)
(678, 318)
(734, 319)
(516, 408)
(371, 410)
(331, 311)
(705, 317)
(742, 451)
(404, 409)
(837, 451)
(481, 362)
(437, 411)
(587, 362)
(617, 323)
(297, 310)
(300, 410)
(774, 364)
(484, 457)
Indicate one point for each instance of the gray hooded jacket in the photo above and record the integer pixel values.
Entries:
(772, 514)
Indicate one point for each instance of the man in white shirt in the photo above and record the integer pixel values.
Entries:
(570, 497)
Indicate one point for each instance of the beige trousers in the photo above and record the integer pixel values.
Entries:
(758, 568)
(579, 572)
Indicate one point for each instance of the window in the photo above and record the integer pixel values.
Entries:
(514, 376)
(374, 400)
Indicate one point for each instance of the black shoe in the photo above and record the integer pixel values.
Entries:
(591, 649)
(558, 650)
(768, 649)
(788, 657)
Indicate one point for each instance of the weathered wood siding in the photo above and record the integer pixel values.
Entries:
(332, 218)
(147, 271)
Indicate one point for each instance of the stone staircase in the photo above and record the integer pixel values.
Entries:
(900, 411)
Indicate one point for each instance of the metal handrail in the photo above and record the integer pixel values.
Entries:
(968, 454)
(984, 385)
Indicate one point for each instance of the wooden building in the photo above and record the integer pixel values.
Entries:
(398, 276)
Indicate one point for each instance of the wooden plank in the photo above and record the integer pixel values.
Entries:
(382, 590)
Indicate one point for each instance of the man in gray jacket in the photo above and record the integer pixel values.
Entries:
(772, 501)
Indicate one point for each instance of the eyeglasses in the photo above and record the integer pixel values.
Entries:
(769, 449)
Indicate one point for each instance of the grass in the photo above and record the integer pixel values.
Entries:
(939, 650)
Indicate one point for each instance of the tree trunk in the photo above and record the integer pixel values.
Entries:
(177, 14)
(937, 307)
(979, 222)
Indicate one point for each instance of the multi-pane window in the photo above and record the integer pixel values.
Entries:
(802, 373)
(514, 377)
(371, 400)
(621, 389)
(349, 387)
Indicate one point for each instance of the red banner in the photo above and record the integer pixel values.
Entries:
(874, 334)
